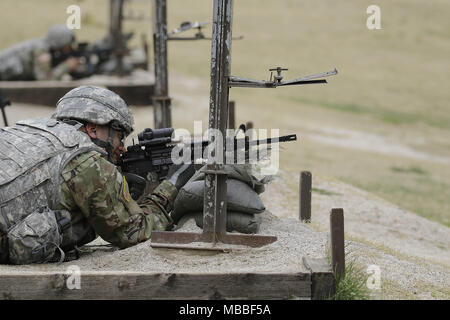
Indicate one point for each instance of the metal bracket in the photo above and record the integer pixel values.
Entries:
(170, 237)
(162, 99)
(276, 81)
(188, 26)
(214, 221)
(198, 36)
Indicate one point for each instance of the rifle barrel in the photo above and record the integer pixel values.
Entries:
(291, 137)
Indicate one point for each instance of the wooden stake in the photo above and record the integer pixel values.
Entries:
(337, 241)
(305, 196)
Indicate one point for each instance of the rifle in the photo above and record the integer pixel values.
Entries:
(93, 55)
(83, 52)
(151, 158)
(3, 104)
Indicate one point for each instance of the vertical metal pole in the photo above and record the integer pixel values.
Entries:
(215, 199)
(305, 196)
(232, 115)
(116, 14)
(111, 16)
(337, 241)
(161, 100)
(145, 46)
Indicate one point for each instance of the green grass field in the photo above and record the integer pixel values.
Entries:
(393, 83)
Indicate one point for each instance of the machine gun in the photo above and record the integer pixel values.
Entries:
(3, 104)
(151, 158)
(93, 55)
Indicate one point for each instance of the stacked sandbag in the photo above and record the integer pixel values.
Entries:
(236, 221)
(244, 204)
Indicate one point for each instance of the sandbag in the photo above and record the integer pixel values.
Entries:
(236, 221)
(241, 198)
(241, 172)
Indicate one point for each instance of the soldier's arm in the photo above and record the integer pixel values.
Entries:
(97, 188)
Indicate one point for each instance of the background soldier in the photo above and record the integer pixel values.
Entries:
(56, 182)
(41, 59)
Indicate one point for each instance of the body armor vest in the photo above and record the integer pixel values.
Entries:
(33, 154)
(17, 62)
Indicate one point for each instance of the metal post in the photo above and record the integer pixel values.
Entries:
(337, 241)
(161, 100)
(111, 16)
(231, 115)
(215, 194)
(3, 105)
(145, 46)
(215, 200)
(116, 14)
(5, 120)
(305, 196)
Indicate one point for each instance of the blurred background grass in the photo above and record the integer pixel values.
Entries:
(393, 84)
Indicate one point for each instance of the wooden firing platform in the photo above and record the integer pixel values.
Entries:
(48, 93)
(316, 283)
(290, 268)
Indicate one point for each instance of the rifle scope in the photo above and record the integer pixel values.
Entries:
(149, 134)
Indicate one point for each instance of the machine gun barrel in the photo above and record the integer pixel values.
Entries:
(291, 137)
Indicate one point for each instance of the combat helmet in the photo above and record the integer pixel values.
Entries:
(96, 105)
(59, 35)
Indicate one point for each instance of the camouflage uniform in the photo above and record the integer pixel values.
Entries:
(32, 60)
(48, 169)
(97, 197)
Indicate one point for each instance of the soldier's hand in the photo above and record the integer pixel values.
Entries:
(73, 63)
(180, 176)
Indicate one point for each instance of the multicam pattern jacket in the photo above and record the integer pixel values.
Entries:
(46, 163)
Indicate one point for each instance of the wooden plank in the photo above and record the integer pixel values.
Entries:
(127, 285)
(337, 240)
(323, 282)
(48, 93)
(305, 196)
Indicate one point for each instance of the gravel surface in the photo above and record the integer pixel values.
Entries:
(411, 251)
(285, 255)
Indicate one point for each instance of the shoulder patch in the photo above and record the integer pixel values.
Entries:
(125, 191)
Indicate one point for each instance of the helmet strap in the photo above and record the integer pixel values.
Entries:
(108, 145)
